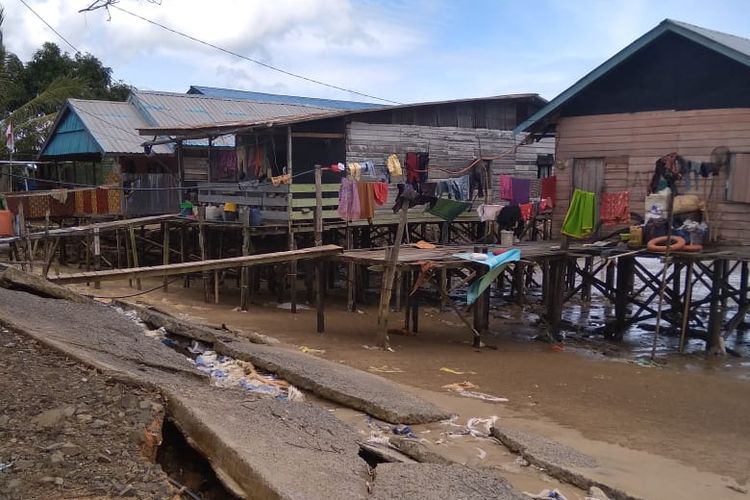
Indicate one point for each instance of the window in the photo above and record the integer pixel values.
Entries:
(738, 181)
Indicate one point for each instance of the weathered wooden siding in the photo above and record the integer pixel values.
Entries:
(449, 147)
(630, 144)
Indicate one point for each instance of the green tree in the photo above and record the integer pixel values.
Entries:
(31, 94)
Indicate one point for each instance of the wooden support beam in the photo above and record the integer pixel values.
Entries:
(319, 277)
(625, 266)
(351, 271)
(318, 135)
(686, 301)
(387, 285)
(165, 255)
(201, 266)
(134, 249)
(245, 272)
(97, 256)
(715, 344)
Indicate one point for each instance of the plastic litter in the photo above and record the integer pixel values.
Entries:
(481, 427)
(310, 350)
(6, 466)
(460, 386)
(545, 494)
(287, 306)
(404, 430)
(157, 334)
(481, 453)
(483, 396)
(197, 347)
(456, 372)
(385, 369)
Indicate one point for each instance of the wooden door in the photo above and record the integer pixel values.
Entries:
(588, 175)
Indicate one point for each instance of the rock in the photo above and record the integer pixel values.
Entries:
(84, 418)
(4, 420)
(596, 493)
(53, 417)
(47, 479)
(145, 404)
(56, 457)
(59, 481)
(98, 423)
(738, 489)
(104, 459)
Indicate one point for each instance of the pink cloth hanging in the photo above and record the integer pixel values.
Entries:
(506, 187)
(349, 208)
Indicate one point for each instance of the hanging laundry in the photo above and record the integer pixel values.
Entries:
(520, 189)
(456, 188)
(497, 264)
(410, 197)
(280, 179)
(349, 208)
(416, 168)
(476, 180)
(488, 212)
(506, 187)
(545, 203)
(338, 168)
(579, 221)
(394, 165)
(367, 168)
(355, 170)
(526, 211)
(366, 200)
(549, 188)
(535, 188)
(447, 209)
(615, 208)
(380, 190)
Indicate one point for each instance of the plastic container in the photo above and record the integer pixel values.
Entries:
(506, 238)
(6, 223)
(213, 213)
(230, 207)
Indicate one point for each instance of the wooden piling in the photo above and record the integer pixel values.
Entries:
(245, 271)
(387, 285)
(351, 272)
(165, 254)
(134, 249)
(687, 299)
(204, 251)
(97, 256)
(319, 276)
(588, 266)
(715, 344)
(622, 294)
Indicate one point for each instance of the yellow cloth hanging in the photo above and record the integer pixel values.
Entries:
(394, 165)
(355, 170)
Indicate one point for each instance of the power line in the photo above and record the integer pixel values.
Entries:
(50, 27)
(260, 63)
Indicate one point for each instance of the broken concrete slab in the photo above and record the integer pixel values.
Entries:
(385, 454)
(417, 451)
(160, 319)
(342, 384)
(19, 280)
(560, 461)
(438, 482)
(258, 445)
(347, 386)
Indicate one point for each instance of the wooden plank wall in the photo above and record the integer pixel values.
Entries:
(449, 147)
(636, 140)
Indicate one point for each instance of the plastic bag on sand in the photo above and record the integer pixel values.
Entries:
(295, 394)
(546, 494)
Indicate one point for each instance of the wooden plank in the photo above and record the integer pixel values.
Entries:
(201, 266)
(317, 135)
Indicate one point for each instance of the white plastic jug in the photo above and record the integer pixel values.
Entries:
(506, 238)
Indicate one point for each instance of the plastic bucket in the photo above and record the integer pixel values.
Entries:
(6, 223)
(506, 238)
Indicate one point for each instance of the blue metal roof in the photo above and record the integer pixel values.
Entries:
(731, 46)
(281, 98)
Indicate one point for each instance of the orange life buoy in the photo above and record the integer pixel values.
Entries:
(658, 244)
(692, 248)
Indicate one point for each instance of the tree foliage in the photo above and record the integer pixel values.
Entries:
(32, 93)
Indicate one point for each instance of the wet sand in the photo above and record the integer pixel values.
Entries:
(696, 415)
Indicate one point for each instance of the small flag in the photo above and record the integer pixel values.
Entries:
(9, 141)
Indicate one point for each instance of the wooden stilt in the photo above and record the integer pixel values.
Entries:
(184, 255)
(351, 272)
(128, 257)
(292, 274)
(715, 344)
(118, 248)
(686, 309)
(387, 285)
(87, 242)
(216, 286)
(622, 294)
(743, 283)
(204, 252)
(518, 282)
(588, 266)
(134, 249)
(558, 268)
(675, 302)
(97, 256)
(319, 276)
(245, 271)
(165, 254)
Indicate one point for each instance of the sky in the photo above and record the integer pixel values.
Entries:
(400, 50)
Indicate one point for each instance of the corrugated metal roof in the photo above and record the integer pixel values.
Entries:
(233, 126)
(731, 46)
(112, 125)
(167, 109)
(263, 97)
